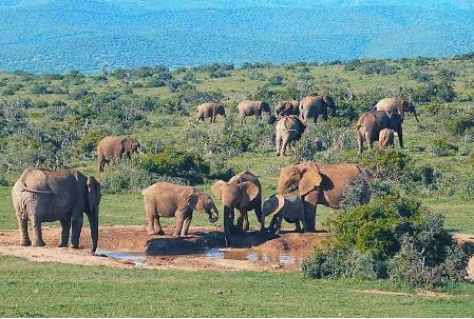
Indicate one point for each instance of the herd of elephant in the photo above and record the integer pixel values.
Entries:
(41, 195)
(292, 116)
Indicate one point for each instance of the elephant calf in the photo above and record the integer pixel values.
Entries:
(370, 124)
(171, 200)
(386, 137)
(210, 110)
(290, 208)
(112, 148)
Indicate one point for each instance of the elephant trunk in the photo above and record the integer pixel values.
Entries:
(416, 117)
(94, 225)
(213, 215)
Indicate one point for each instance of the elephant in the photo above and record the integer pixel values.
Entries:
(242, 192)
(290, 107)
(167, 200)
(249, 107)
(112, 148)
(210, 110)
(269, 119)
(288, 129)
(313, 106)
(42, 195)
(290, 208)
(392, 104)
(386, 137)
(321, 183)
(371, 123)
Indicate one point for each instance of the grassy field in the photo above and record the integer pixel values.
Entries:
(58, 290)
(30, 289)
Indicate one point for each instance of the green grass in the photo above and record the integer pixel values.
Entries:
(57, 290)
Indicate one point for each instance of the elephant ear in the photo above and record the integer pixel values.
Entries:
(126, 143)
(218, 188)
(311, 179)
(192, 200)
(274, 205)
(249, 192)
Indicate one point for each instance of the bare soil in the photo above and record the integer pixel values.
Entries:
(204, 249)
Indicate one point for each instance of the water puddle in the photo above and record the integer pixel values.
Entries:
(140, 259)
(246, 254)
(137, 259)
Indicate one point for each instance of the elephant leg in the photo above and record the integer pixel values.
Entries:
(23, 225)
(271, 227)
(370, 142)
(65, 229)
(305, 224)
(297, 226)
(242, 221)
(37, 231)
(187, 222)
(76, 227)
(179, 224)
(279, 219)
(260, 219)
(400, 136)
(278, 144)
(284, 146)
(157, 225)
(310, 216)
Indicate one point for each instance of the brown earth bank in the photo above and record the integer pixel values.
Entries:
(203, 249)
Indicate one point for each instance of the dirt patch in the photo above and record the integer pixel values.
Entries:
(204, 249)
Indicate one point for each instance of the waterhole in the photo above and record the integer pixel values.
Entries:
(140, 259)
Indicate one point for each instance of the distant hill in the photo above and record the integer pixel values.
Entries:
(94, 35)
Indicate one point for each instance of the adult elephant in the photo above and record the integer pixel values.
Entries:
(312, 106)
(288, 129)
(41, 195)
(386, 137)
(290, 107)
(210, 110)
(249, 108)
(371, 123)
(112, 148)
(283, 207)
(320, 183)
(164, 199)
(396, 104)
(243, 192)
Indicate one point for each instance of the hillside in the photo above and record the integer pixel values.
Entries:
(95, 35)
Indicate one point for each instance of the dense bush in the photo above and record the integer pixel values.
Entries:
(391, 237)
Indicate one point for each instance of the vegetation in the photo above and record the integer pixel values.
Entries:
(55, 121)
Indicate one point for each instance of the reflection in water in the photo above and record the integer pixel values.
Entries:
(250, 255)
(133, 258)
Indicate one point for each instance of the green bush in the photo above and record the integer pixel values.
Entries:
(391, 237)
(181, 164)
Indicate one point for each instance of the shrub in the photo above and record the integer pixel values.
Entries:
(391, 237)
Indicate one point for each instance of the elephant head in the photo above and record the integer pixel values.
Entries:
(408, 106)
(131, 145)
(203, 203)
(331, 104)
(303, 177)
(92, 201)
(273, 205)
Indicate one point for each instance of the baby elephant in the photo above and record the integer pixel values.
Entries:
(386, 137)
(171, 200)
(290, 208)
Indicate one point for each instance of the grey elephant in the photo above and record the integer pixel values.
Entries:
(386, 138)
(167, 200)
(243, 192)
(370, 124)
(249, 108)
(290, 107)
(112, 148)
(41, 195)
(287, 130)
(284, 207)
(210, 110)
(396, 104)
(321, 183)
(313, 106)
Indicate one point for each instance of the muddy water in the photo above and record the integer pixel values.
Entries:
(140, 259)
